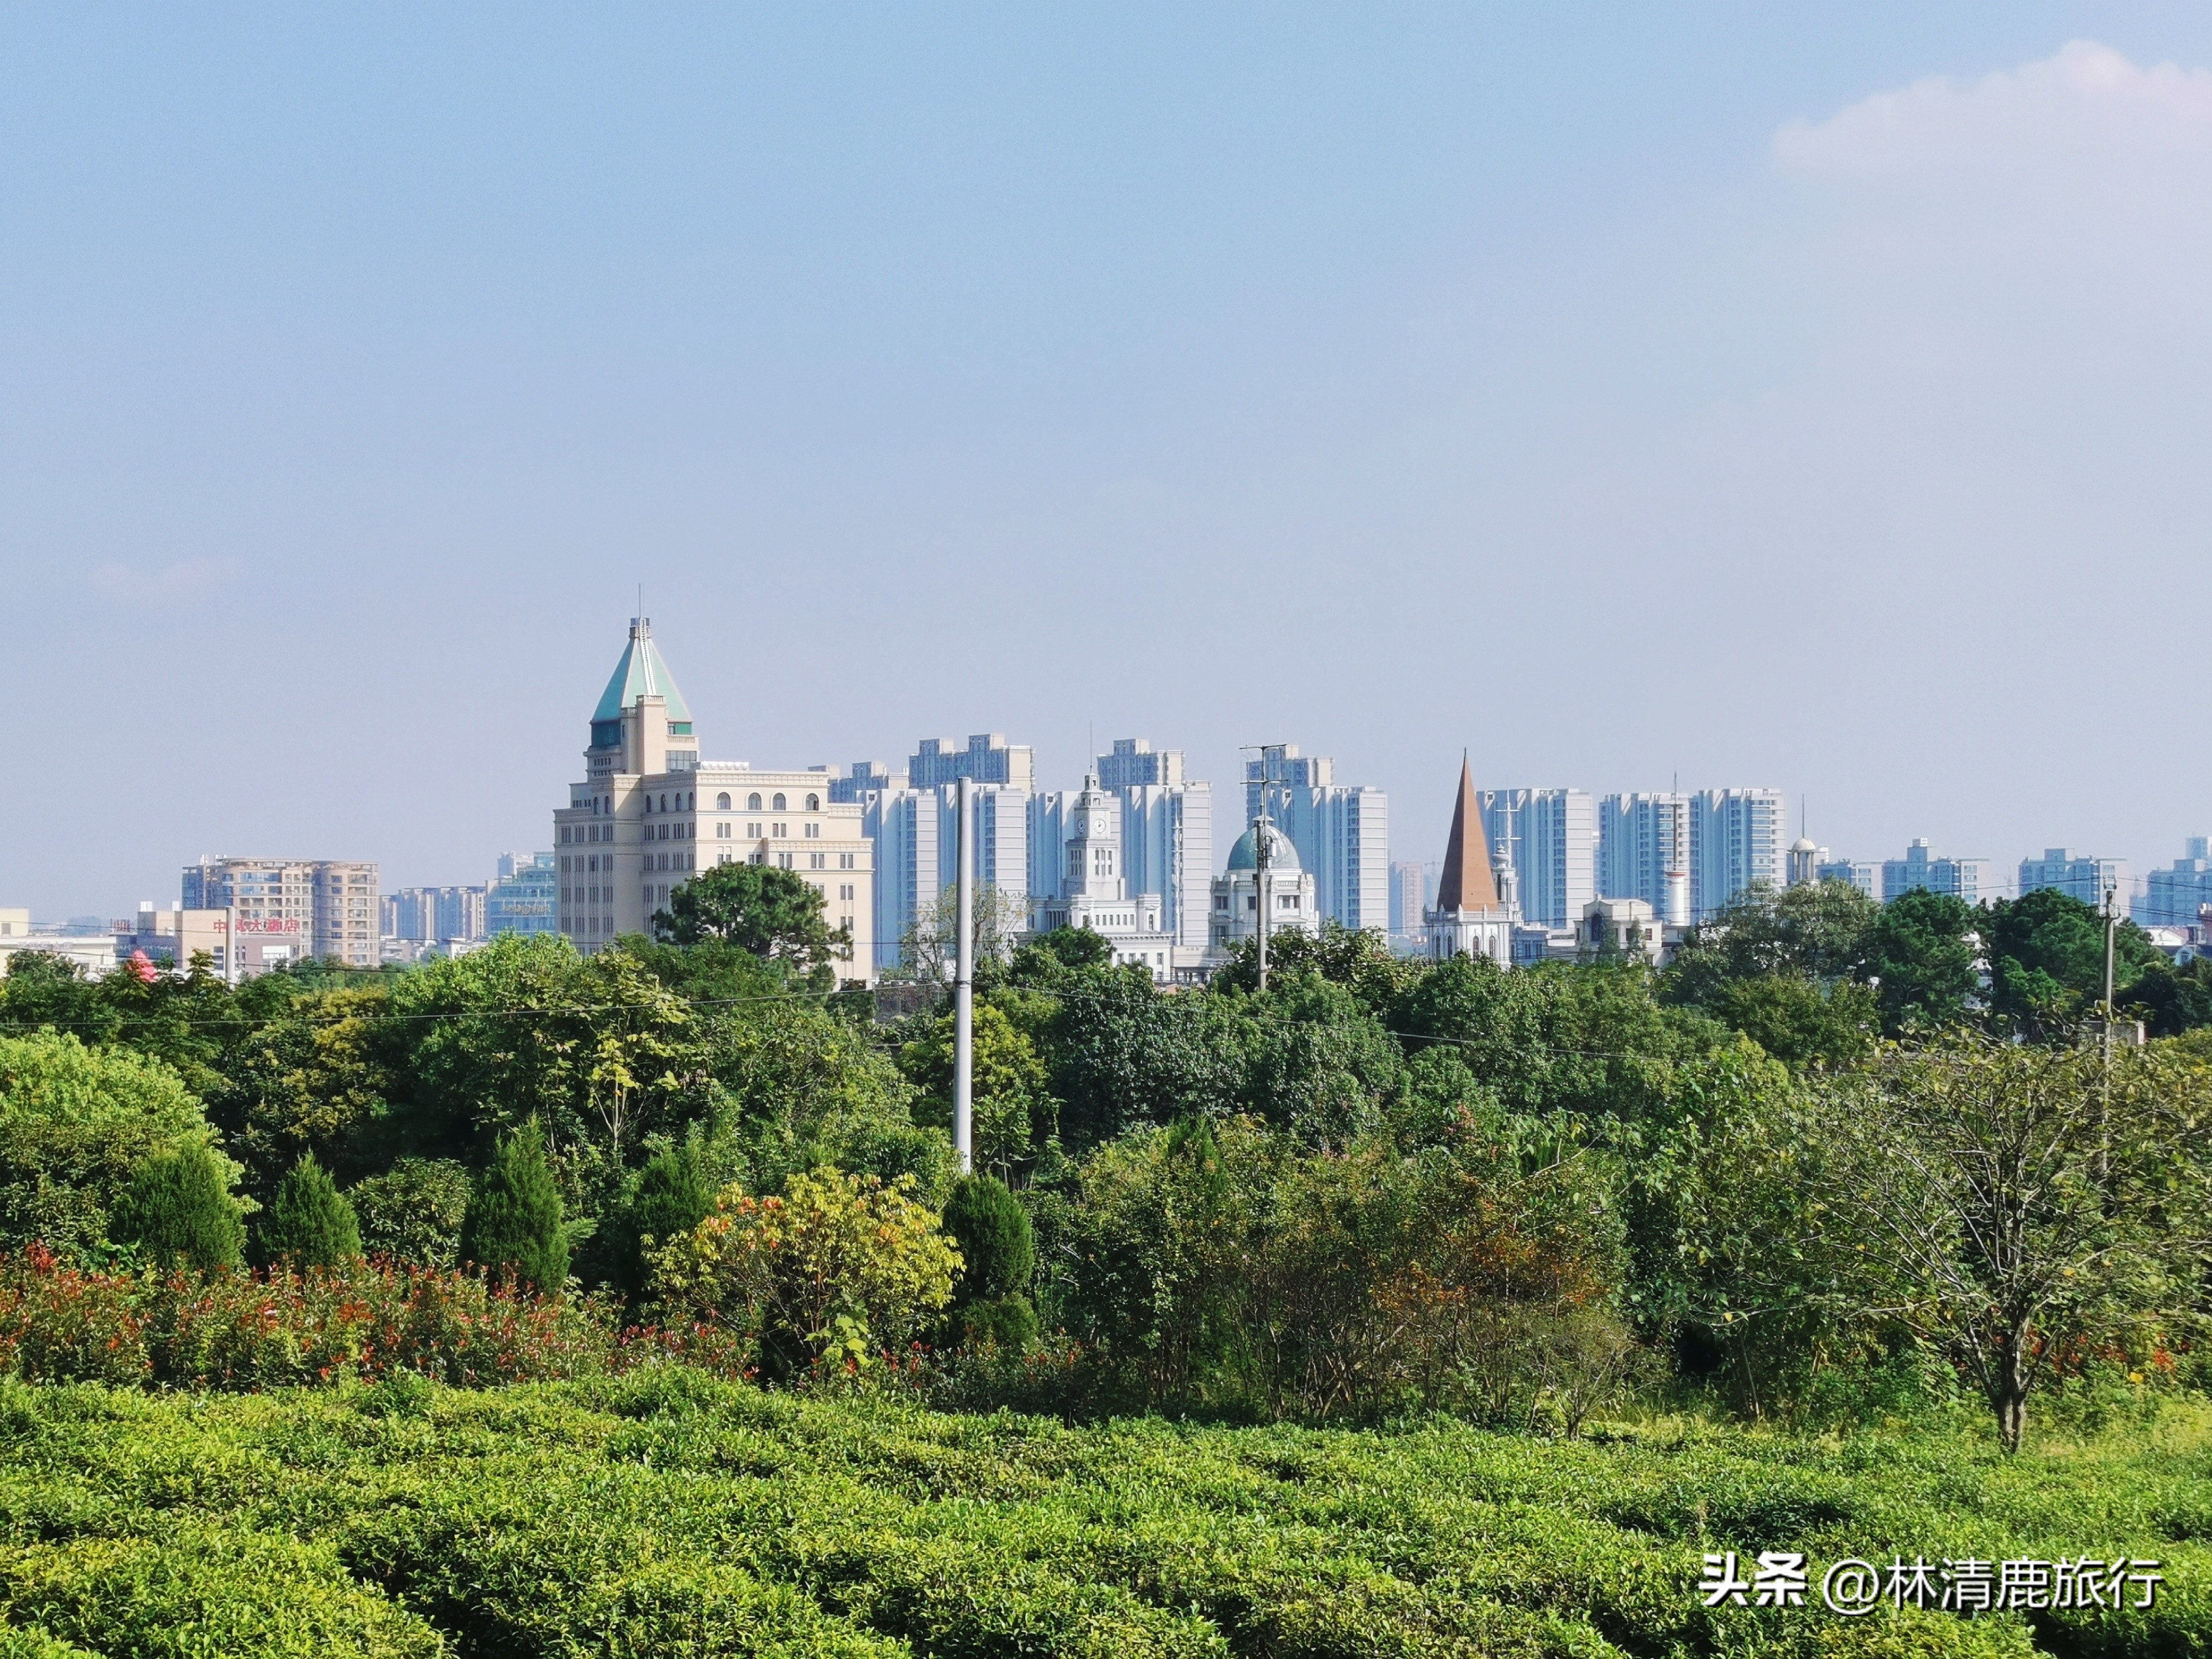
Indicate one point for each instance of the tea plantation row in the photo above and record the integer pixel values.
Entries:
(670, 1513)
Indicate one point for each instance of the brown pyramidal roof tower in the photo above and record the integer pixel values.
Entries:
(1466, 883)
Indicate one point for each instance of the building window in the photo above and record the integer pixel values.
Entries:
(722, 801)
(816, 860)
(813, 832)
(778, 831)
(722, 832)
(845, 891)
(814, 803)
(845, 861)
(783, 860)
(752, 803)
(753, 832)
(779, 804)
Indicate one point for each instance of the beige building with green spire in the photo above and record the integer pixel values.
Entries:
(649, 812)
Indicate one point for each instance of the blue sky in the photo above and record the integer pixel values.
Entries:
(1805, 397)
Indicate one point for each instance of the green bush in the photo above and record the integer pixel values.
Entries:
(76, 1125)
(514, 1220)
(413, 1211)
(308, 1223)
(670, 1196)
(998, 1246)
(179, 1211)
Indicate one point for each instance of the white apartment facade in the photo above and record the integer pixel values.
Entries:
(1550, 838)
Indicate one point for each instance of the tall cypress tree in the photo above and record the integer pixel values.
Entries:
(309, 1222)
(179, 1210)
(514, 1217)
(670, 1197)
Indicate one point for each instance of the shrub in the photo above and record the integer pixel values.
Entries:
(668, 1198)
(836, 1269)
(514, 1220)
(76, 1124)
(997, 1244)
(179, 1209)
(309, 1224)
(412, 1212)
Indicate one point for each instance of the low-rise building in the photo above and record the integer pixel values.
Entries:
(1477, 909)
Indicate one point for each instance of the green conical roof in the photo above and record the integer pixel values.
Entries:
(641, 673)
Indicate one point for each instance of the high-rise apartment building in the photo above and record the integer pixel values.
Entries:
(863, 779)
(525, 897)
(290, 909)
(2074, 874)
(2176, 897)
(649, 813)
(1736, 842)
(915, 832)
(1409, 896)
(1862, 873)
(1342, 832)
(1550, 838)
(1961, 879)
(434, 915)
(986, 759)
(1643, 853)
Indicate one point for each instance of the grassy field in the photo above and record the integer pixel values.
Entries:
(667, 1513)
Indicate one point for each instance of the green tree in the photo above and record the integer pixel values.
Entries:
(1125, 1054)
(1817, 931)
(1797, 1020)
(997, 1243)
(1045, 957)
(668, 1197)
(514, 1220)
(412, 1212)
(775, 915)
(2046, 956)
(308, 1223)
(312, 1081)
(2171, 1000)
(998, 1248)
(1014, 1111)
(179, 1210)
(45, 991)
(829, 1273)
(1981, 1195)
(1320, 1064)
(76, 1123)
(1357, 959)
(1920, 960)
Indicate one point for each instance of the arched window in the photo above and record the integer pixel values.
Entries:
(722, 801)
(779, 803)
(814, 803)
(752, 803)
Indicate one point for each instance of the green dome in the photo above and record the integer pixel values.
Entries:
(1281, 855)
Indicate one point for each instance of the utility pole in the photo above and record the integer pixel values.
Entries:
(1260, 828)
(964, 988)
(2105, 1112)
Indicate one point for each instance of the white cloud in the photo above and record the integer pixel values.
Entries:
(2087, 104)
(182, 583)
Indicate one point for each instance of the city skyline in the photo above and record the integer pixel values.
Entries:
(1068, 376)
